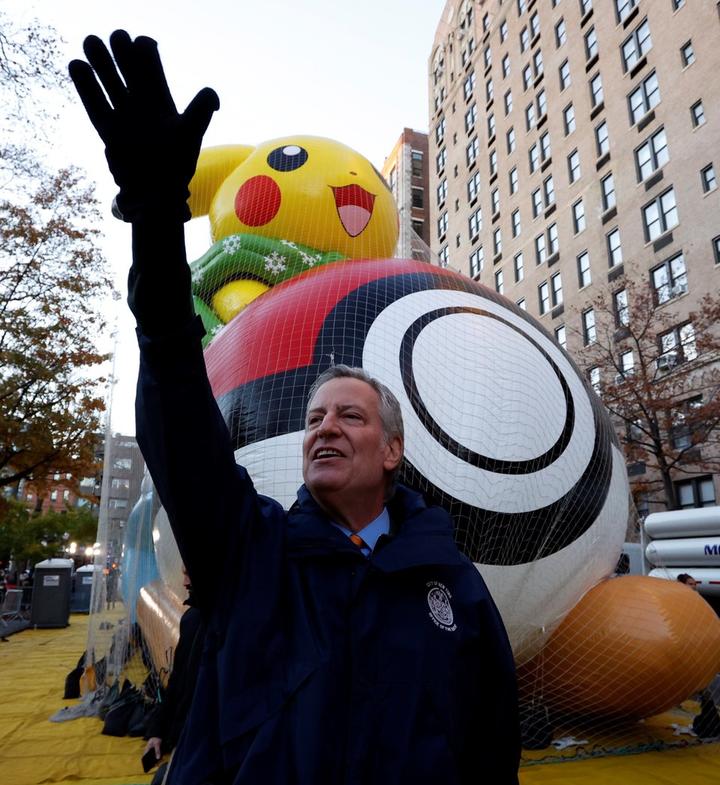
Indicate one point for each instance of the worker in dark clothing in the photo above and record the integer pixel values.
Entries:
(348, 640)
(167, 720)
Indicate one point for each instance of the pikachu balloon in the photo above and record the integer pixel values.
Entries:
(277, 210)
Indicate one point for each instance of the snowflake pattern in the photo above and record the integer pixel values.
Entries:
(275, 263)
(289, 243)
(232, 244)
(197, 276)
(216, 329)
(310, 259)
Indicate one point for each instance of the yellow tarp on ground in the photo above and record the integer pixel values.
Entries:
(34, 751)
(33, 666)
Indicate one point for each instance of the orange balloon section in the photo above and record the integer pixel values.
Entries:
(632, 647)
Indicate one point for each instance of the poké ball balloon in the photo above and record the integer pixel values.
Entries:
(303, 189)
(632, 647)
(500, 427)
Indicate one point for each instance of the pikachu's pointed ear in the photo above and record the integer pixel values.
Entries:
(213, 166)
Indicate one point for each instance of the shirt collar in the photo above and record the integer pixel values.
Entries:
(370, 533)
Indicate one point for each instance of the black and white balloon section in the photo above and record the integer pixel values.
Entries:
(500, 427)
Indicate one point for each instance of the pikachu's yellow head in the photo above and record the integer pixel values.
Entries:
(302, 189)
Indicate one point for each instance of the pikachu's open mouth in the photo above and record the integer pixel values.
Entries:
(354, 206)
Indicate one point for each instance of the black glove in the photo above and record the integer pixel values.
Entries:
(151, 149)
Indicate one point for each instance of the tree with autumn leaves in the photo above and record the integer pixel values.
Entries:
(656, 367)
(53, 287)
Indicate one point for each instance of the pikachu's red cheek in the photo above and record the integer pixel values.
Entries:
(257, 201)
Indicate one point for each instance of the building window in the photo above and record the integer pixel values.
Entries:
(443, 256)
(530, 116)
(643, 98)
(583, 266)
(541, 103)
(473, 187)
(491, 124)
(440, 160)
(537, 202)
(621, 309)
(553, 239)
(669, 279)
(716, 249)
(687, 54)
(521, 6)
(492, 162)
(471, 151)
(585, 6)
(527, 76)
(677, 4)
(627, 363)
(556, 289)
(524, 39)
(477, 261)
(544, 297)
(506, 66)
(636, 45)
(440, 131)
(564, 75)
(534, 25)
(521, 304)
(53, 496)
(602, 139)
(534, 157)
(538, 63)
(470, 118)
(697, 113)
(652, 155)
(578, 213)
(591, 44)
(469, 86)
(513, 178)
(697, 492)
(497, 242)
(442, 192)
(614, 248)
(489, 90)
(499, 284)
(560, 33)
(588, 327)
(442, 225)
(418, 227)
(596, 90)
(418, 197)
(549, 190)
(660, 215)
(561, 336)
(503, 30)
(416, 158)
(519, 267)
(707, 176)
(495, 200)
(569, 119)
(607, 188)
(516, 223)
(487, 57)
(475, 225)
(623, 8)
(510, 139)
(678, 345)
(573, 166)
(508, 102)
(540, 249)
(545, 146)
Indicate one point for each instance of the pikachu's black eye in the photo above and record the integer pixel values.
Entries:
(288, 158)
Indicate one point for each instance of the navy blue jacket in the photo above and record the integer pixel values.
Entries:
(321, 667)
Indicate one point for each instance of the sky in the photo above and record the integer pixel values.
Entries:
(351, 71)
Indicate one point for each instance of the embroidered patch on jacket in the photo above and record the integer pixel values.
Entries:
(441, 612)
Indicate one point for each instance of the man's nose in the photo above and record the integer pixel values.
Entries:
(329, 424)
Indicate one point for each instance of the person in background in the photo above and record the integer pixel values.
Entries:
(688, 580)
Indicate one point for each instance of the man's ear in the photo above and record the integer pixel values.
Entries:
(393, 453)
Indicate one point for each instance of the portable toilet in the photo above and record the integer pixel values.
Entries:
(82, 587)
(52, 585)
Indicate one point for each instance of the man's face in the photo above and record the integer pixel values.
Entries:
(692, 583)
(346, 458)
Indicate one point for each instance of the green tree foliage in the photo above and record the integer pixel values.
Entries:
(666, 405)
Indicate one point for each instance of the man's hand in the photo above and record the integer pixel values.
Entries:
(152, 150)
(154, 743)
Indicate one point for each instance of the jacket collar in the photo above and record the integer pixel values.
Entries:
(421, 535)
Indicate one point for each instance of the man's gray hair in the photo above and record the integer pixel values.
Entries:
(390, 412)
